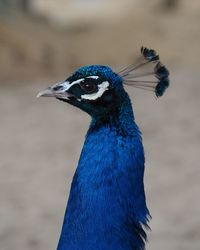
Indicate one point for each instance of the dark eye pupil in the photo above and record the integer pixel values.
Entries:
(89, 86)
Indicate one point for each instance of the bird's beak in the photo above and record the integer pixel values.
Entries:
(46, 92)
(58, 90)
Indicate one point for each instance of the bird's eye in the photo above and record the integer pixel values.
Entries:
(89, 85)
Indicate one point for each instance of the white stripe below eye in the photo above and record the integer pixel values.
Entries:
(102, 88)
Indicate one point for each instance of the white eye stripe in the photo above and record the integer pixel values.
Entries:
(76, 82)
(93, 77)
(67, 85)
(101, 89)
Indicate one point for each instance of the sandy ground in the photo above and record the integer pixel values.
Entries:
(40, 145)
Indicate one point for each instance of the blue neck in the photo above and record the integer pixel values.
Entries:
(106, 207)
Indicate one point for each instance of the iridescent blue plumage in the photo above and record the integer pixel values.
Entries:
(107, 208)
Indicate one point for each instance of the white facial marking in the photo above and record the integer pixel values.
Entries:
(93, 77)
(62, 91)
(67, 85)
(102, 88)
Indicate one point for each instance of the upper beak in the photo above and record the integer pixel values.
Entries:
(58, 90)
(46, 92)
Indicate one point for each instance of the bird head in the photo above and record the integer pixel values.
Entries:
(95, 89)
(98, 90)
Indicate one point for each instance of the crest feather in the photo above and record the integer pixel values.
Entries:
(132, 75)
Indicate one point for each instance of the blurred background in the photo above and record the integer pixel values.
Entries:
(42, 42)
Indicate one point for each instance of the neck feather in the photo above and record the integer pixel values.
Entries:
(106, 207)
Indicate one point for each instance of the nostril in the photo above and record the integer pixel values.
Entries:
(58, 87)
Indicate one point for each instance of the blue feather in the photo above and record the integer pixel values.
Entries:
(106, 207)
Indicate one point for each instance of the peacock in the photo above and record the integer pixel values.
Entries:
(107, 208)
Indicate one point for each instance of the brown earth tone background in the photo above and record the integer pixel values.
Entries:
(41, 42)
